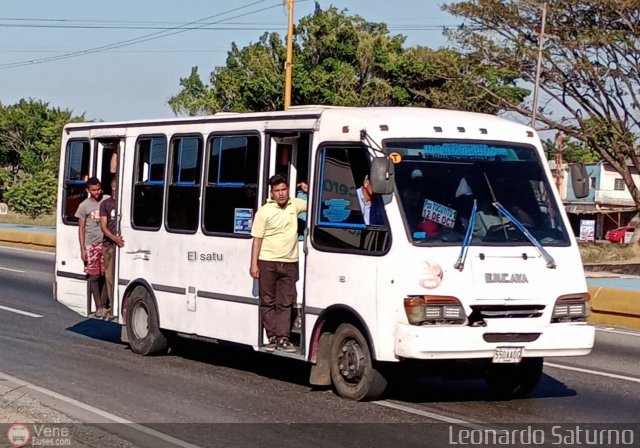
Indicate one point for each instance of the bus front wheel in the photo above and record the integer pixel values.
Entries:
(352, 372)
(145, 337)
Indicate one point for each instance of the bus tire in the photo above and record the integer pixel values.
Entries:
(145, 337)
(351, 366)
(509, 380)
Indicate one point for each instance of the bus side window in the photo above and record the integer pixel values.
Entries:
(148, 187)
(340, 223)
(183, 201)
(76, 176)
(230, 196)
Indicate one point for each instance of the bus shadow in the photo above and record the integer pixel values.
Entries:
(102, 330)
(243, 357)
(405, 384)
(431, 389)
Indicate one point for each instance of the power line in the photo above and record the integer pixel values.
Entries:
(148, 37)
(257, 26)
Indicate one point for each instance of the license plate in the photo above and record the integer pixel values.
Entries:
(507, 355)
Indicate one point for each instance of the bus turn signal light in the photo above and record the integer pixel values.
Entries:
(434, 310)
(571, 308)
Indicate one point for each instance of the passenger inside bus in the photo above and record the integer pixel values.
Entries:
(370, 204)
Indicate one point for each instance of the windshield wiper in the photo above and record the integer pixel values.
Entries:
(467, 237)
(551, 264)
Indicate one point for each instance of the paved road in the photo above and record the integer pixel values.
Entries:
(200, 393)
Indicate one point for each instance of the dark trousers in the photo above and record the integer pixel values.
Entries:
(277, 296)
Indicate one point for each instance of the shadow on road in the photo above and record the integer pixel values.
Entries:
(426, 383)
(435, 389)
(241, 357)
(98, 329)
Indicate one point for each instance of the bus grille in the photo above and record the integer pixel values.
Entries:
(481, 312)
(510, 337)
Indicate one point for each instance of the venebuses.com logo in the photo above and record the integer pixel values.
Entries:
(18, 435)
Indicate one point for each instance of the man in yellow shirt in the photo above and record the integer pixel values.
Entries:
(274, 261)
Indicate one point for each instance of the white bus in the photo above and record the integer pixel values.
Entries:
(474, 259)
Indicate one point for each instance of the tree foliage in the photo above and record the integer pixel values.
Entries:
(30, 135)
(35, 195)
(589, 84)
(345, 61)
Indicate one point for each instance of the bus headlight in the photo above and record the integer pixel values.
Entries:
(571, 308)
(431, 310)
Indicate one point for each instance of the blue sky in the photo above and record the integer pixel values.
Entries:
(135, 81)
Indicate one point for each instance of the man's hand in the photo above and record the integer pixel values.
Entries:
(118, 240)
(254, 271)
(84, 254)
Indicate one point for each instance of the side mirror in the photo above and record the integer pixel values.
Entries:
(579, 180)
(381, 175)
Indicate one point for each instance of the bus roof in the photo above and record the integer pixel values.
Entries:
(349, 115)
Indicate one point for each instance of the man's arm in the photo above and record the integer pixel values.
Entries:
(255, 251)
(301, 205)
(82, 222)
(105, 230)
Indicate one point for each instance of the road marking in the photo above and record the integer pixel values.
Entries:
(44, 253)
(24, 313)
(11, 270)
(612, 330)
(431, 415)
(594, 372)
(100, 412)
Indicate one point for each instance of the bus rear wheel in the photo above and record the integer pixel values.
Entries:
(508, 380)
(352, 372)
(145, 337)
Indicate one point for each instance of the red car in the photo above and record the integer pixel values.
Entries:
(617, 235)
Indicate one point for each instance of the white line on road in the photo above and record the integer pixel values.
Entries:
(612, 330)
(24, 313)
(100, 412)
(594, 372)
(11, 270)
(431, 415)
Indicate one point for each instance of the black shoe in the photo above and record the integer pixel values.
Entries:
(272, 344)
(286, 345)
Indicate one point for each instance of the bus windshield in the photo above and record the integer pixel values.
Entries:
(438, 181)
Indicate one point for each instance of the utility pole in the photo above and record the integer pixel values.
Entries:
(288, 65)
(536, 87)
(559, 162)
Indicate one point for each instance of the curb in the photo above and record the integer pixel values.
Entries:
(28, 240)
(610, 306)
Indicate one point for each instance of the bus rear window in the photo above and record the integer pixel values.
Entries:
(75, 179)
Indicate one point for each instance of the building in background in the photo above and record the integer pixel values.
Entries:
(607, 199)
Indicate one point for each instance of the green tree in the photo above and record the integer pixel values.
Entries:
(346, 61)
(590, 83)
(445, 82)
(30, 135)
(34, 196)
(573, 151)
(195, 98)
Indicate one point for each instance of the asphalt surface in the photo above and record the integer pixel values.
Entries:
(209, 395)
